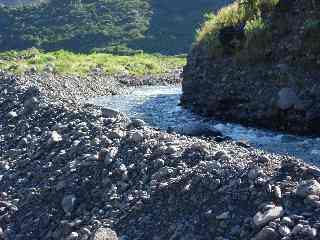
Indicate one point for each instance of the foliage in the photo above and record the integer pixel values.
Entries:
(78, 25)
(64, 62)
(114, 26)
(241, 11)
(173, 24)
(208, 34)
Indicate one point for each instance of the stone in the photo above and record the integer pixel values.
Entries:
(314, 171)
(223, 216)
(104, 234)
(287, 221)
(55, 138)
(284, 231)
(109, 155)
(267, 233)
(12, 114)
(312, 200)
(30, 104)
(309, 187)
(262, 218)
(287, 98)
(73, 236)
(109, 113)
(277, 192)
(137, 137)
(68, 203)
(198, 130)
(137, 123)
(297, 229)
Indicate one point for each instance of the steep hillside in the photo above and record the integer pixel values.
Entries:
(174, 23)
(258, 63)
(19, 2)
(75, 25)
(104, 25)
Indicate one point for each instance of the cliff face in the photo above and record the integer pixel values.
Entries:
(269, 80)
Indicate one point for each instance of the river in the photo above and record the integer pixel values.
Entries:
(159, 107)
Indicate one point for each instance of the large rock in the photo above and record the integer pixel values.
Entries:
(110, 113)
(105, 234)
(198, 130)
(287, 98)
(262, 218)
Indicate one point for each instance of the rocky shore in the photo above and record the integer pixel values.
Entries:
(93, 174)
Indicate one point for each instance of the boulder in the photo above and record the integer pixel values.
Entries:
(104, 234)
(262, 218)
(109, 113)
(287, 98)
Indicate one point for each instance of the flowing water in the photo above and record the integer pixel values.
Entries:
(159, 107)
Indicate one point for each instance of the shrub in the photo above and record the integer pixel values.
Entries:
(242, 11)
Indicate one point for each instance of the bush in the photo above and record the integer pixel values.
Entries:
(242, 11)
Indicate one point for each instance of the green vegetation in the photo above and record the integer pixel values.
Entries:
(112, 26)
(77, 25)
(64, 62)
(246, 11)
(268, 25)
(20, 2)
(174, 23)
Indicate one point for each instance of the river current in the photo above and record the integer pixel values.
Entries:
(159, 107)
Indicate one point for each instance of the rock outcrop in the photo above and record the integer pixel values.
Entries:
(279, 90)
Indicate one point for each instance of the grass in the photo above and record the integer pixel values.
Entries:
(64, 62)
(248, 11)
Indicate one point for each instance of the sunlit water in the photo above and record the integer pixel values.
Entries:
(159, 107)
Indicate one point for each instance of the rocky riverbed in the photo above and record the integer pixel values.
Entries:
(88, 173)
(72, 89)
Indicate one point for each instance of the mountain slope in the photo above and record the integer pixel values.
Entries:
(174, 23)
(104, 25)
(19, 2)
(75, 25)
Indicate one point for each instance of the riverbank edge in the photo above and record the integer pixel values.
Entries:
(274, 96)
